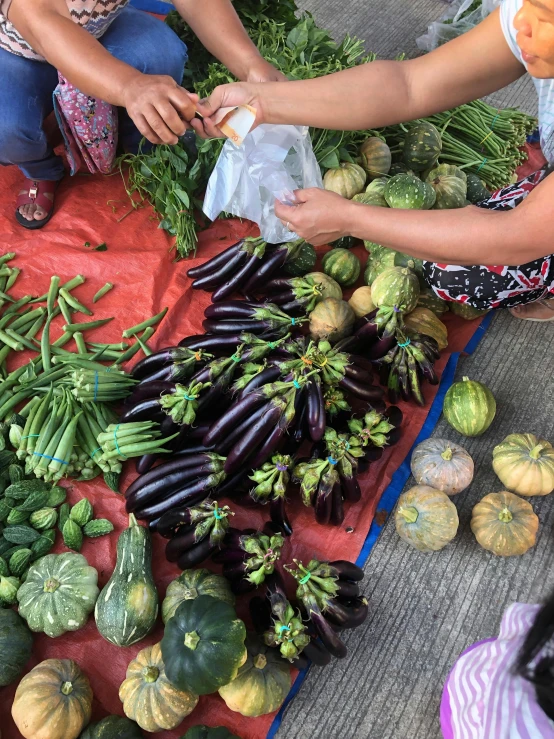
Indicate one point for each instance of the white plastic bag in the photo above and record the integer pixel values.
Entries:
(272, 162)
(439, 32)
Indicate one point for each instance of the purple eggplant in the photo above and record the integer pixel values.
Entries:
(172, 521)
(347, 616)
(196, 555)
(161, 488)
(365, 392)
(146, 410)
(232, 309)
(351, 488)
(168, 468)
(316, 653)
(215, 262)
(346, 570)
(272, 262)
(184, 540)
(157, 361)
(260, 614)
(347, 589)
(271, 444)
(237, 280)
(240, 409)
(148, 391)
(278, 514)
(213, 343)
(267, 375)
(224, 273)
(189, 495)
(330, 639)
(252, 438)
(337, 506)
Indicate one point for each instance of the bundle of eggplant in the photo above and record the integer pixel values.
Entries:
(243, 267)
(249, 558)
(409, 361)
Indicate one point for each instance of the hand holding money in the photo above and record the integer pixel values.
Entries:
(235, 123)
(231, 110)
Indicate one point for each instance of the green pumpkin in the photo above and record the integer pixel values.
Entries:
(371, 198)
(383, 258)
(476, 190)
(396, 286)
(208, 732)
(343, 266)
(426, 518)
(262, 683)
(127, 607)
(347, 180)
(16, 644)
(429, 299)
(329, 288)
(406, 191)
(450, 185)
(58, 594)
(467, 312)
(190, 585)
(375, 157)
(430, 196)
(345, 242)
(203, 645)
(303, 261)
(112, 727)
(422, 146)
(399, 168)
(469, 407)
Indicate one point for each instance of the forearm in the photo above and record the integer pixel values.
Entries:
(465, 236)
(219, 29)
(73, 51)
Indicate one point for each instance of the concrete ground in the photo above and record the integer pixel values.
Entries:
(426, 609)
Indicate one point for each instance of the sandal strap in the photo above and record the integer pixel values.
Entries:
(547, 303)
(37, 191)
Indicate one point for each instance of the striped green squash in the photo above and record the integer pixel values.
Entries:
(127, 607)
(422, 146)
(396, 286)
(469, 407)
(406, 191)
(302, 262)
(450, 185)
(375, 157)
(343, 266)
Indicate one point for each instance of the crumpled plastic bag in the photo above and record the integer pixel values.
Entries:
(272, 162)
(440, 32)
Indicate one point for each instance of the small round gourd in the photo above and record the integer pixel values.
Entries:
(262, 683)
(426, 518)
(192, 583)
(58, 594)
(422, 146)
(525, 464)
(424, 321)
(302, 262)
(331, 320)
(469, 407)
(53, 701)
(16, 643)
(329, 287)
(113, 727)
(149, 698)
(504, 524)
(450, 185)
(343, 266)
(407, 192)
(442, 464)
(361, 302)
(375, 157)
(347, 180)
(396, 286)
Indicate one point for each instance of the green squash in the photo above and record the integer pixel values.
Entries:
(203, 645)
(331, 320)
(303, 261)
(429, 299)
(190, 585)
(16, 644)
(208, 732)
(374, 194)
(262, 683)
(375, 157)
(343, 266)
(396, 286)
(347, 180)
(467, 312)
(58, 594)
(113, 727)
(329, 288)
(450, 185)
(422, 146)
(406, 191)
(525, 464)
(345, 242)
(127, 607)
(384, 258)
(476, 190)
(399, 168)
(469, 407)
(430, 196)
(426, 518)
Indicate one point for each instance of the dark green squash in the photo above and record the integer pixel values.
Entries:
(476, 190)
(203, 645)
(190, 585)
(303, 262)
(113, 727)
(342, 266)
(422, 146)
(127, 607)
(345, 242)
(406, 191)
(208, 732)
(16, 643)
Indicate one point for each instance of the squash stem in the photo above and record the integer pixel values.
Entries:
(191, 640)
(535, 452)
(151, 674)
(260, 661)
(51, 585)
(409, 513)
(505, 515)
(67, 688)
(447, 454)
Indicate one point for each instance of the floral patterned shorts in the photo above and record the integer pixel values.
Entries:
(496, 286)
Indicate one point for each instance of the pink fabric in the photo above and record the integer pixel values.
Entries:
(89, 128)
(484, 698)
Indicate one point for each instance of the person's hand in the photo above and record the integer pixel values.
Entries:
(261, 70)
(318, 216)
(227, 96)
(159, 107)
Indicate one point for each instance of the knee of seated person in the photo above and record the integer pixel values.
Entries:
(165, 54)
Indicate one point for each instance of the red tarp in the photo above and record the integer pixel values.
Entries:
(146, 280)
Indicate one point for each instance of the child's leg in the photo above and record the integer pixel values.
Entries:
(150, 46)
(496, 286)
(25, 101)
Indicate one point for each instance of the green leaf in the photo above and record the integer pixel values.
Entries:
(331, 161)
(145, 171)
(101, 247)
(183, 197)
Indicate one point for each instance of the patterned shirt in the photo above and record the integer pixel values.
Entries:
(545, 88)
(484, 698)
(93, 15)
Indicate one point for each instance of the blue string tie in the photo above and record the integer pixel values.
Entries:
(405, 344)
(116, 444)
(54, 459)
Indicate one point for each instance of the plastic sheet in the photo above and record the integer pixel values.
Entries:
(91, 208)
(272, 162)
(452, 24)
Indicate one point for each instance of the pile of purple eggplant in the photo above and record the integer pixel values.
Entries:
(249, 558)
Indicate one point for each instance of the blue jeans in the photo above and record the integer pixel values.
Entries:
(134, 37)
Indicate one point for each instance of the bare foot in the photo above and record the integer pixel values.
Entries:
(540, 310)
(32, 211)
